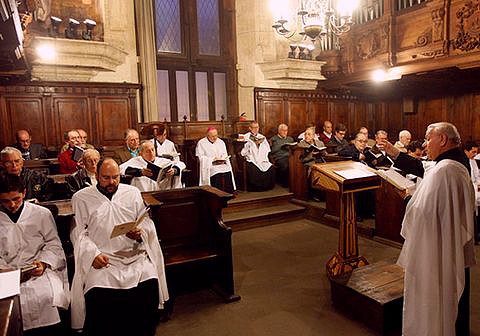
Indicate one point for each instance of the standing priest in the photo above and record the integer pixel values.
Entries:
(260, 172)
(119, 281)
(215, 167)
(438, 232)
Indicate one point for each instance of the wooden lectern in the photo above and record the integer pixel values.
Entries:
(345, 178)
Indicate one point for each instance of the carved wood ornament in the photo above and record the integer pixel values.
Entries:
(468, 36)
(372, 42)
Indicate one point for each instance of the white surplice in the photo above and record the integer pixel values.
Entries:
(206, 152)
(35, 237)
(167, 147)
(257, 155)
(438, 232)
(475, 174)
(144, 183)
(130, 262)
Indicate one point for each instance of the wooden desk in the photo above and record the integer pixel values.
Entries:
(328, 176)
(11, 317)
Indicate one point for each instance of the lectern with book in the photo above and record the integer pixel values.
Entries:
(345, 178)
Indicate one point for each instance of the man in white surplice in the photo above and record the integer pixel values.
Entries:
(438, 232)
(215, 167)
(260, 172)
(28, 236)
(119, 282)
(163, 147)
(471, 151)
(137, 167)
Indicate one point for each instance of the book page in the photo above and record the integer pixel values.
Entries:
(396, 179)
(121, 229)
(354, 173)
(10, 283)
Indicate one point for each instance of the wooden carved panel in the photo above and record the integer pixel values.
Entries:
(113, 118)
(468, 36)
(71, 113)
(26, 113)
(273, 112)
(299, 116)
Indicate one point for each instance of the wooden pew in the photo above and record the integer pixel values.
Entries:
(195, 242)
(11, 316)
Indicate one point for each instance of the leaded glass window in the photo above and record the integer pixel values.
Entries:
(167, 22)
(208, 24)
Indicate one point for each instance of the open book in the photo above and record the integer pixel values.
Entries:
(159, 172)
(396, 179)
(77, 153)
(121, 229)
(316, 148)
(221, 160)
(170, 156)
(256, 138)
(290, 144)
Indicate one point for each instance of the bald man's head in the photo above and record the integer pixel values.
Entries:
(108, 175)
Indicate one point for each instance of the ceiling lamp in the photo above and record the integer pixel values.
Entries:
(313, 18)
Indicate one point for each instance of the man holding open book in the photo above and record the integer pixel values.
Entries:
(119, 280)
(260, 171)
(151, 173)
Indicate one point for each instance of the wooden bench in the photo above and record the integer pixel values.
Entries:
(196, 244)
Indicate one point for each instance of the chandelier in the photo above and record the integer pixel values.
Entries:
(314, 18)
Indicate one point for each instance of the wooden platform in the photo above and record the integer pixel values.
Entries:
(372, 294)
(254, 209)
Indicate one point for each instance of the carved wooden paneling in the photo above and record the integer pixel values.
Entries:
(298, 115)
(71, 113)
(113, 118)
(24, 113)
(51, 108)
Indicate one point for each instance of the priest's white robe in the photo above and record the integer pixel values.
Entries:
(167, 147)
(35, 237)
(206, 153)
(475, 174)
(130, 262)
(144, 183)
(438, 232)
(257, 155)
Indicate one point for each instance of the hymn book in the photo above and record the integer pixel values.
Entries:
(170, 156)
(290, 144)
(77, 153)
(159, 172)
(397, 180)
(121, 229)
(220, 161)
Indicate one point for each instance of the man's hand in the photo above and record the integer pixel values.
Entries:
(41, 266)
(171, 172)
(390, 149)
(147, 172)
(135, 234)
(361, 157)
(100, 261)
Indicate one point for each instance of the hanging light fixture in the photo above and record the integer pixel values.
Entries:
(313, 19)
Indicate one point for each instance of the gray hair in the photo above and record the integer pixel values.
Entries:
(445, 128)
(404, 133)
(128, 132)
(381, 132)
(9, 151)
(359, 134)
(90, 152)
(144, 144)
(282, 126)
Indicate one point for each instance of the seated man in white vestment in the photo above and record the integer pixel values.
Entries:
(438, 230)
(260, 172)
(164, 148)
(119, 282)
(144, 178)
(28, 236)
(215, 167)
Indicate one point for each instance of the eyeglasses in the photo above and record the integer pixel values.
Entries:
(12, 163)
(362, 141)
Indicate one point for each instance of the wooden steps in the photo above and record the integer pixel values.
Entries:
(249, 210)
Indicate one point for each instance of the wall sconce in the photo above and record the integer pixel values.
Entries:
(56, 22)
(89, 25)
(71, 31)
